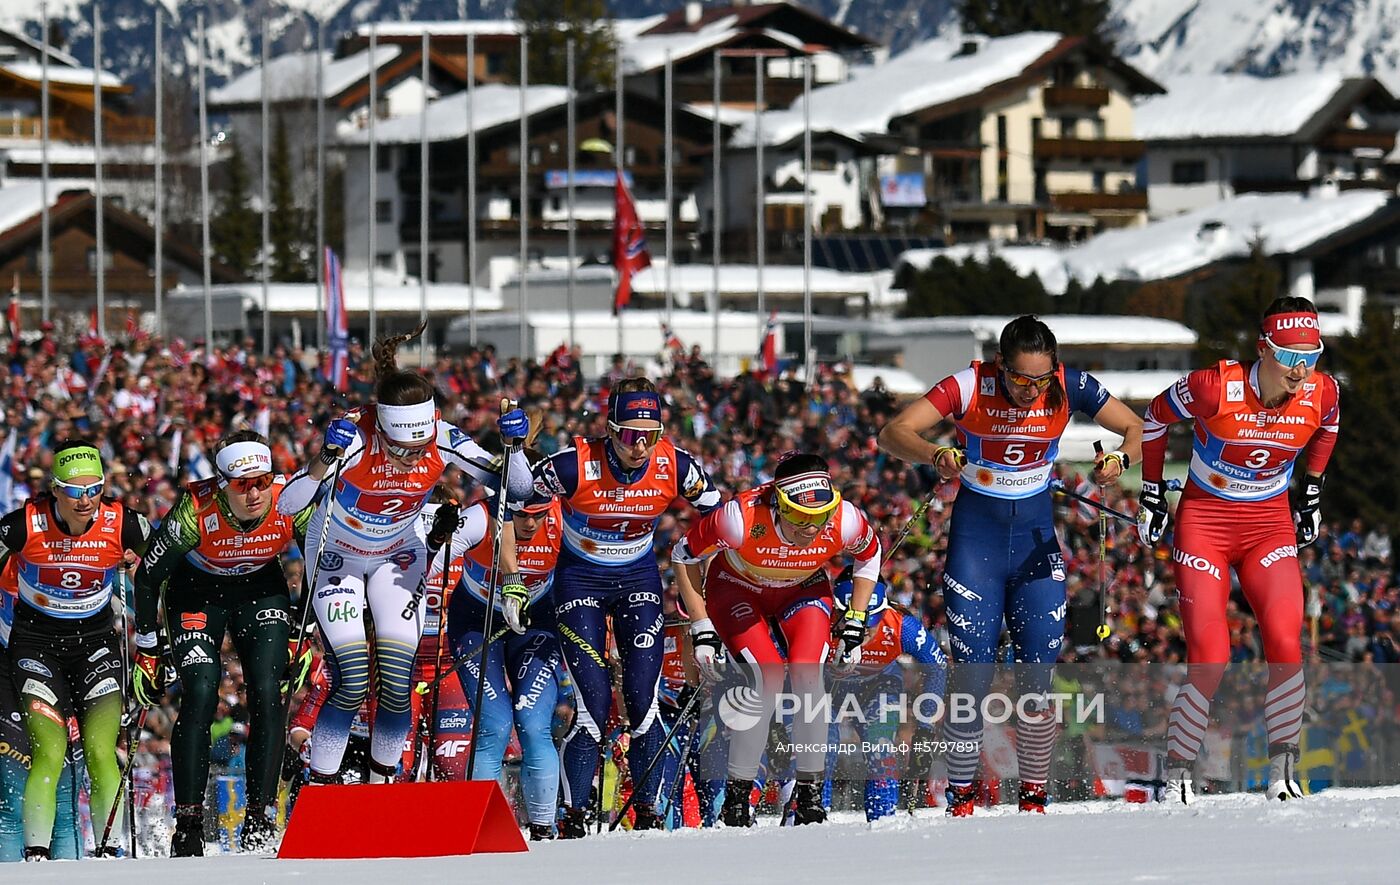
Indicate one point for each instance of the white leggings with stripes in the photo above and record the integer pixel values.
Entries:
(387, 588)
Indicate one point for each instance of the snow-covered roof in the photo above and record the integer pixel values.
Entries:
(1233, 106)
(56, 54)
(648, 52)
(63, 74)
(778, 279)
(627, 29)
(302, 297)
(1286, 224)
(70, 154)
(1071, 330)
(21, 200)
(927, 74)
(293, 76)
(1136, 386)
(480, 27)
(495, 104)
(897, 381)
(683, 322)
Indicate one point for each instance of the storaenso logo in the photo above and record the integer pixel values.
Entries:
(1200, 564)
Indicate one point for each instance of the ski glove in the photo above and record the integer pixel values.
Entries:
(850, 637)
(147, 679)
(1308, 517)
(299, 657)
(445, 522)
(1152, 514)
(514, 424)
(340, 433)
(515, 596)
(709, 651)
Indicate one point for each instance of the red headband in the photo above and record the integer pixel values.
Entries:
(1292, 330)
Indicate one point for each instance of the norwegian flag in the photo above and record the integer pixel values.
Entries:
(669, 339)
(337, 369)
(768, 348)
(629, 245)
(12, 319)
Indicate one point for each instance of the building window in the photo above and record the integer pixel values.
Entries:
(1188, 171)
(384, 211)
(495, 63)
(1003, 172)
(1098, 181)
(107, 262)
(384, 260)
(1069, 127)
(384, 159)
(823, 160)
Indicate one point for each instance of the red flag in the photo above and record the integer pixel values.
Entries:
(669, 338)
(132, 326)
(12, 321)
(769, 351)
(629, 245)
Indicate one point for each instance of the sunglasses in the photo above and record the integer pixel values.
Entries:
(630, 436)
(1020, 379)
(406, 453)
(1292, 359)
(798, 518)
(244, 485)
(77, 492)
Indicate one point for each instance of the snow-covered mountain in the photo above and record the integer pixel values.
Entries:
(1163, 37)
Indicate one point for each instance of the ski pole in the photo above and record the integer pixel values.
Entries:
(508, 447)
(441, 637)
(909, 525)
(1058, 487)
(665, 744)
(425, 687)
(126, 778)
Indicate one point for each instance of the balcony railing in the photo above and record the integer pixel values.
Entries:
(115, 130)
(1125, 149)
(1076, 96)
(1351, 139)
(1129, 201)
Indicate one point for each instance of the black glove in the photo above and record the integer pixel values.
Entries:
(1152, 514)
(850, 637)
(1308, 515)
(923, 752)
(444, 524)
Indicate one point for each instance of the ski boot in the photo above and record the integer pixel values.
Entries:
(1283, 786)
(1179, 788)
(736, 811)
(36, 853)
(1033, 798)
(541, 832)
(574, 823)
(258, 834)
(807, 803)
(962, 799)
(188, 840)
(646, 818)
(108, 851)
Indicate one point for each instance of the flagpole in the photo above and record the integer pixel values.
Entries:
(423, 211)
(807, 354)
(715, 212)
(570, 141)
(373, 173)
(619, 155)
(320, 186)
(670, 182)
(760, 243)
(524, 196)
(204, 195)
(45, 258)
(471, 188)
(266, 199)
(159, 179)
(97, 170)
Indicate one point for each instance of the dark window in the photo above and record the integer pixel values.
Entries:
(107, 262)
(1188, 171)
(1098, 181)
(384, 211)
(385, 260)
(384, 159)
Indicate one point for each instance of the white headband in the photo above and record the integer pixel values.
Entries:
(408, 424)
(243, 459)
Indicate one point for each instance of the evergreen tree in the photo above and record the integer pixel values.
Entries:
(947, 288)
(292, 237)
(998, 18)
(1226, 316)
(551, 23)
(1366, 366)
(235, 229)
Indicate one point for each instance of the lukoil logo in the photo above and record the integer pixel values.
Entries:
(1199, 563)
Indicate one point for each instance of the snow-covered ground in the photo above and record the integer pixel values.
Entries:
(1344, 835)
